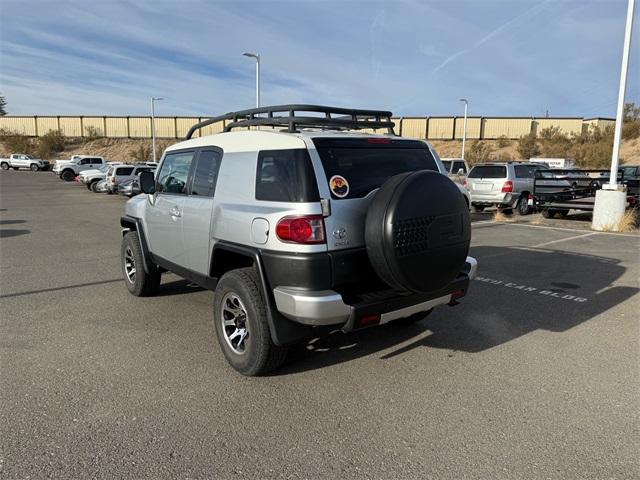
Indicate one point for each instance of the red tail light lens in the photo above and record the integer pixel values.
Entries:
(308, 229)
(507, 187)
(378, 140)
(465, 184)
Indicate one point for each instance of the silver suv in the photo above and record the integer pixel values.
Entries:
(300, 229)
(504, 185)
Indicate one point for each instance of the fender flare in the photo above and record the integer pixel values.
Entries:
(283, 331)
(129, 223)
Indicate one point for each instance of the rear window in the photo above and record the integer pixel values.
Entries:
(447, 164)
(124, 171)
(286, 176)
(356, 167)
(488, 171)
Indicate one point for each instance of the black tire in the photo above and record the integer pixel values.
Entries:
(477, 208)
(4, 166)
(254, 353)
(522, 208)
(415, 318)
(34, 167)
(141, 284)
(548, 213)
(94, 186)
(417, 231)
(68, 175)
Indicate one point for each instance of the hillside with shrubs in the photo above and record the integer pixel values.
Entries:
(590, 149)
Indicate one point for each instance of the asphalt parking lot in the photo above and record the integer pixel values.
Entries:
(534, 375)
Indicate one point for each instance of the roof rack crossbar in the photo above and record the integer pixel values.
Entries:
(353, 119)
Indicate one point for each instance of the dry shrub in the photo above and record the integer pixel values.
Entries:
(528, 147)
(629, 222)
(141, 154)
(479, 152)
(503, 141)
(51, 142)
(499, 216)
(16, 142)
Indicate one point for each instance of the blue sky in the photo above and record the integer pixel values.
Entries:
(509, 57)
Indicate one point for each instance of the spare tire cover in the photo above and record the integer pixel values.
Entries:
(418, 231)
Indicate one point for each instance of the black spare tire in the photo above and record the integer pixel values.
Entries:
(418, 231)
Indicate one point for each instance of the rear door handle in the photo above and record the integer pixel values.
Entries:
(174, 212)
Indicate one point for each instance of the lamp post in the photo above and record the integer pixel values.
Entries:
(464, 125)
(257, 58)
(153, 124)
(611, 200)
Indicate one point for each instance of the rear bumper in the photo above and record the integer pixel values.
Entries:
(327, 307)
(491, 198)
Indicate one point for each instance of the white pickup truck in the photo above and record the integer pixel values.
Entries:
(22, 160)
(68, 169)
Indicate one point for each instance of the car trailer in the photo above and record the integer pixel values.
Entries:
(556, 191)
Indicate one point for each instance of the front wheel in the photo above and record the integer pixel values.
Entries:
(138, 281)
(34, 167)
(240, 319)
(68, 175)
(4, 166)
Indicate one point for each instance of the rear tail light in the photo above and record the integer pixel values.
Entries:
(507, 187)
(367, 320)
(307, 230)
(378, 140)
(465, 184)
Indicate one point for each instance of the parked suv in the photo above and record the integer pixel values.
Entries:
(300, 231)
(68, 169)
(504, 185)
(122, 173)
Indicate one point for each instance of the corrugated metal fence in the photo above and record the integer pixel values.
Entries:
(431, 128)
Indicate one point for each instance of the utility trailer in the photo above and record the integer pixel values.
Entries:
(556, 191)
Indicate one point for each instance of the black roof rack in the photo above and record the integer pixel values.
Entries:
(285, 115)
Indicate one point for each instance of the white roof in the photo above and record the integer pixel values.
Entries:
(252, 140)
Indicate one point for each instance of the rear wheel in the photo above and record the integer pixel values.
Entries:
(477, 208)
(138, 282)
(4, 166)
(523, 205)
(68, 175)
(34, 167)
(240, 319)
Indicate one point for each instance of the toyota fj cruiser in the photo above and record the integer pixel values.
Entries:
(300, 225)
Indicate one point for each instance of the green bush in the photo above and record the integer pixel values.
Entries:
(554, 143)
(479, 152)
(528, 147)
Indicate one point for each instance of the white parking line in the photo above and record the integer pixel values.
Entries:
(544, 227)
(564, 239)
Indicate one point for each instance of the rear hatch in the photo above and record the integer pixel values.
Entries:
(486, 179)
(352, 171)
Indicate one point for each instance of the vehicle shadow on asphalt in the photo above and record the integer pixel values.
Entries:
(493, 313)
(178, 287)
(8, 232)
(11, 222)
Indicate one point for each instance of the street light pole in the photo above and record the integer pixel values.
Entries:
(153, 125)
(615, 156)
(257, 59)
(464, 126)
(611, 200)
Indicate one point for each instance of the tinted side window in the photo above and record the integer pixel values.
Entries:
(97, 160)
(523, 171)
(174, 172)
(457, 166)
(85, 161)
(124, 171)
(286, 176)
(204, 178)
(447, 165)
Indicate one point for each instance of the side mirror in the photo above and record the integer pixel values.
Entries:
(461, 171)
(147, 182)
